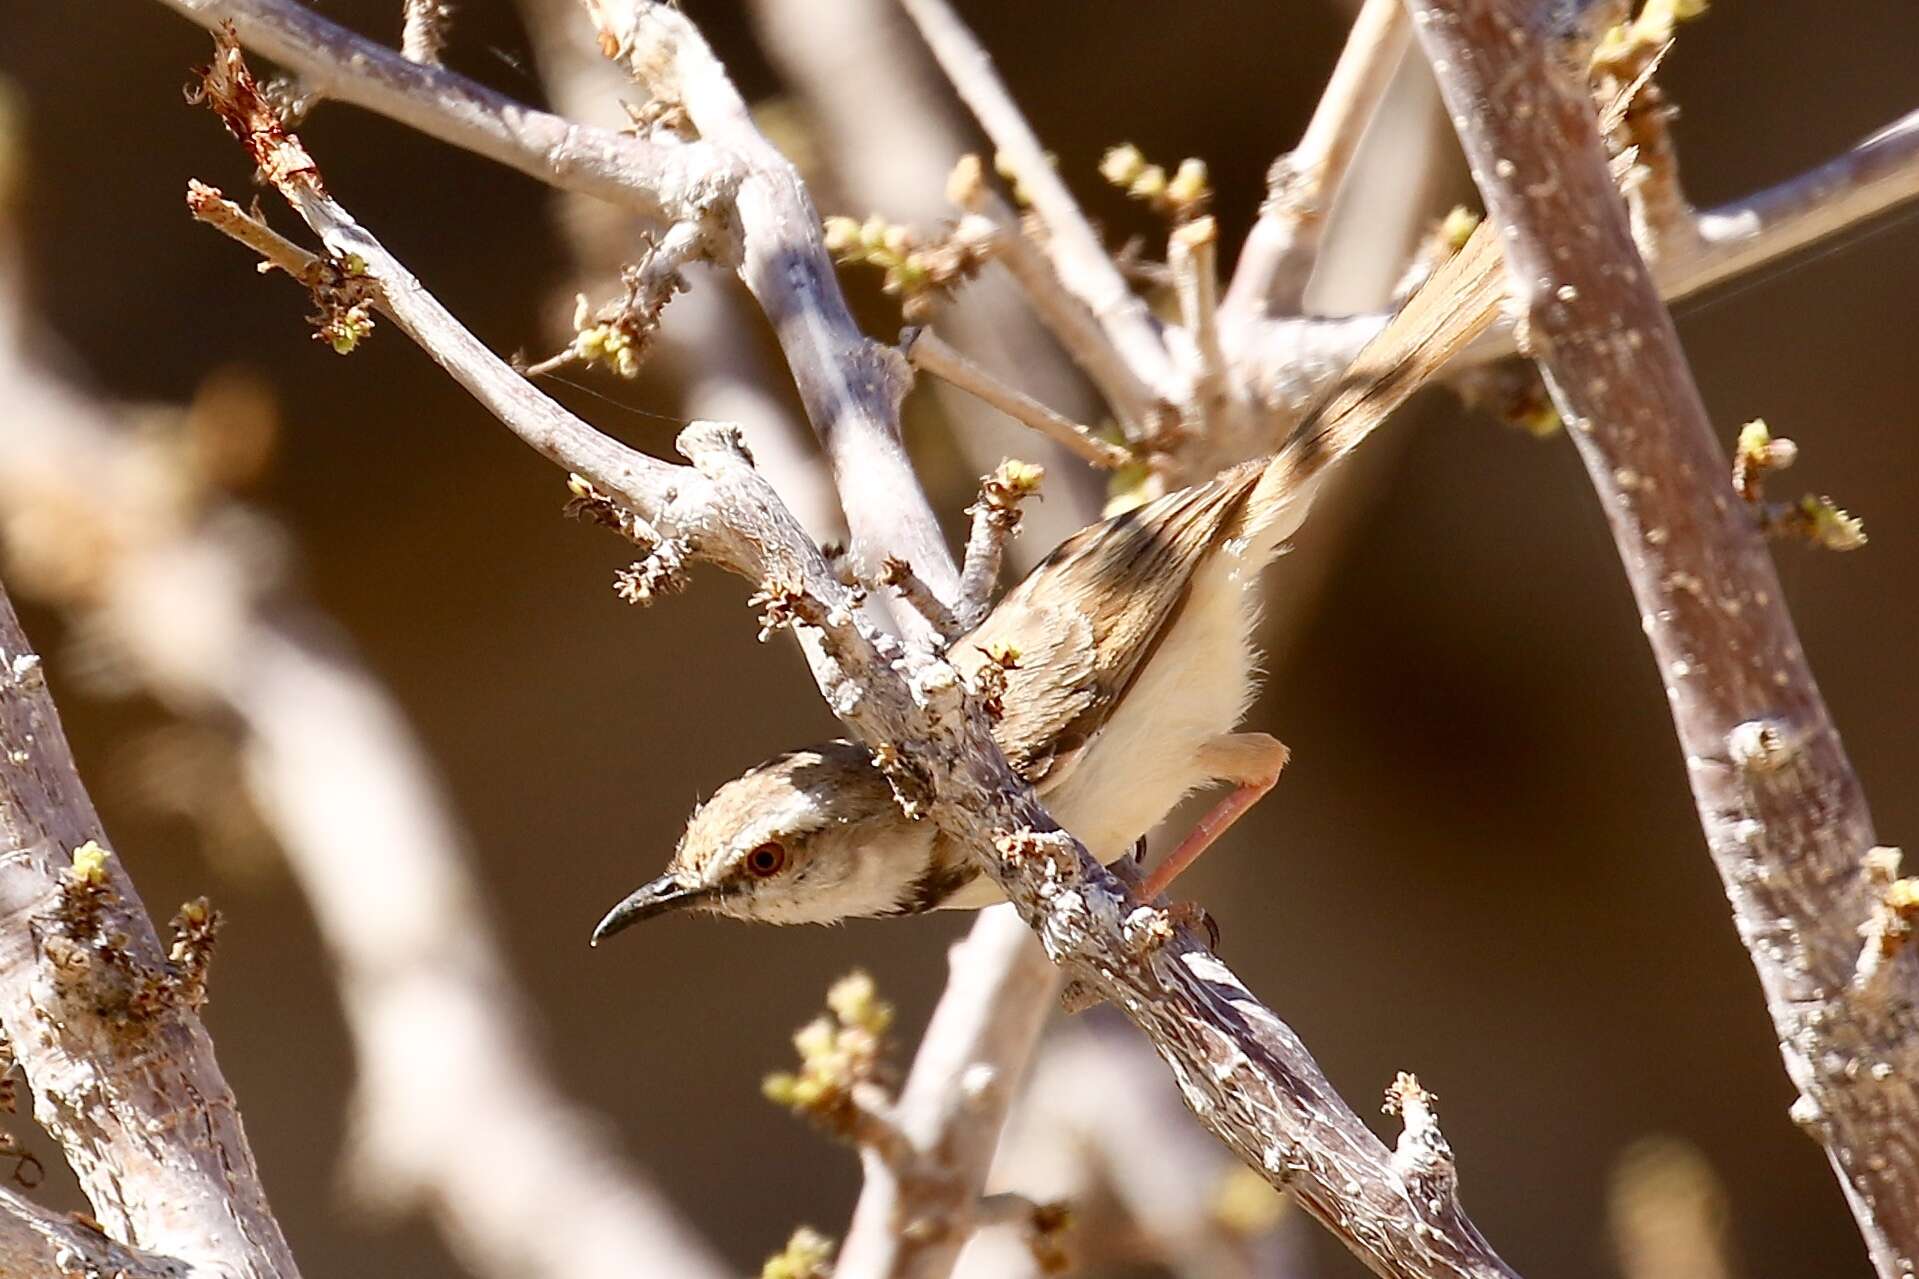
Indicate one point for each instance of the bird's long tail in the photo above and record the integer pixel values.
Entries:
(1457, 303)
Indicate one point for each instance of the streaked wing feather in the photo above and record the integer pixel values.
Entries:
(1083, 639)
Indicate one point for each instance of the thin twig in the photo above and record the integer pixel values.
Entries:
(729, 377)
(897, 574)
(1135, 403)
(1783, 812)
(1283, 246)
(1082, 262)
(210, 206)
(1878, 174)
(683, 182)
(1193, 255)
(925, 351)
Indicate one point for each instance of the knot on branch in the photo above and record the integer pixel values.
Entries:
(344, 297)
(911, 782)
(712, 447)
(1889, 928)
(1051, 851)
(1761, 746)
(1423, 1158)
(1148, 929)
(1001, 492)
(661, 573)
(783, 604)
(991, 679)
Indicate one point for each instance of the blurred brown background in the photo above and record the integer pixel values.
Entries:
(1482, 865)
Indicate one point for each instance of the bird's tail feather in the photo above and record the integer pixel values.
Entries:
(1457, 303)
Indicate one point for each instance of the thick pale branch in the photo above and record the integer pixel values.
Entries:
(1281, 249)
(1291, 360)
(851, 386)
(861, 72)
(988, 968)
(439, 1033)
(1783, 812)
(135, 1098)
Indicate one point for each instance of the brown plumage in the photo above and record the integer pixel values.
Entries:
(1135, 662)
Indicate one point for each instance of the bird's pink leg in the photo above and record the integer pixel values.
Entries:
(1254, 760)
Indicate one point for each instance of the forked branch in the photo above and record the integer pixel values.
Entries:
(1783, 812)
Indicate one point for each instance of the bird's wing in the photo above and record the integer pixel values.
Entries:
(1088, 618)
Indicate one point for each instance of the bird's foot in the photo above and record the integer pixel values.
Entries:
(1194, 915)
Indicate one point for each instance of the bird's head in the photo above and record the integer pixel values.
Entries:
(809, 837)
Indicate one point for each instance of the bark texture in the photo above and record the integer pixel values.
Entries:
(1783, 812)
(122, 1071)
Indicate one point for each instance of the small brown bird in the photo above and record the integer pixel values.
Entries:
(1136, 662)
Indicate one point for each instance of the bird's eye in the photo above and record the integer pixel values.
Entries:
(767, 859)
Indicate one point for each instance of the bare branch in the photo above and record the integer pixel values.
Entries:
(1135, 403)
(899, 575)
(127, 1084)
(1667, 1213)
(439, 1032)
(710, 335)
(851, 386)
(1082, 262)
(996, 517)
(209, 206)
(1283, 245)
(1193, 255)
(1149, 1189)
(1239, 1067)
(1783, 812)
(35, 1242)
(1291, 360)
(860, 68)
(689, 182)
(1878, 174)
(954, 1102)
(925, 351)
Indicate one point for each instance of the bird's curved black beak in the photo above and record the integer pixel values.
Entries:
(663, 894)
